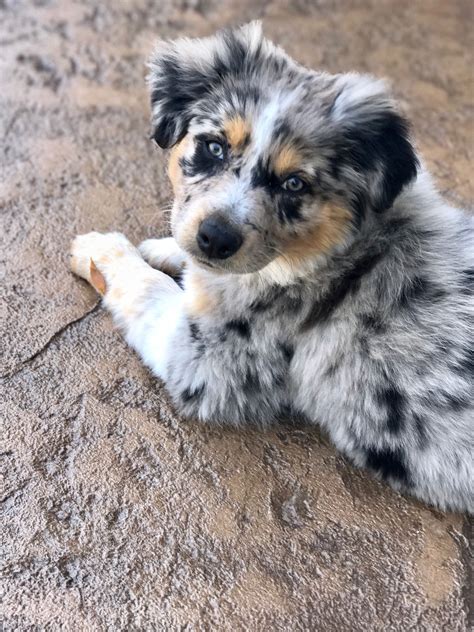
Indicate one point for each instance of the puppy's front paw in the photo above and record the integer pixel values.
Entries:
(163, 254)
(93, 254)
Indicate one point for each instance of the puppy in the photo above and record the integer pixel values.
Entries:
(323, 275)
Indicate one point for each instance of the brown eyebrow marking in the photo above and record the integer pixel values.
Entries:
(237, 130)
(288, 159)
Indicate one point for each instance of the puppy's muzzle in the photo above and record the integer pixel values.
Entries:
(217, 239)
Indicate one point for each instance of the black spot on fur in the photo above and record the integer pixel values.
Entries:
(467, 281)
(279, 380)
(419, 289)
(440, 398)
(397, 225)
(192, 395)
(293, 303)
(348, 283)
(394, 402)
(237, 171)
(285, 413)
(233, 93)
(374, 323)
(288, 207)
(420, 428)
(261, 176)
(261, 305)
(465, 366)
(333, 367)
(251, 384)
(196, 337)
(457, 402)
(195, 332)
(282, 131)
(283, 298)
(334, 167)
(287, 350)
(364, 344)
(358, 203)
(241, 327)
(389, 464)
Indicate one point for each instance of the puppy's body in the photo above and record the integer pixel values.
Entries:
(347, 301)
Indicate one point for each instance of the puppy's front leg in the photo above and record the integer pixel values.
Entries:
(144, 302)
(164, 254)
(208, 369)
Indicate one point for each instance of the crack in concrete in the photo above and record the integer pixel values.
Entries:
(20, 367)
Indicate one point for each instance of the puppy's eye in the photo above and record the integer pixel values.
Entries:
(215, 149)
(293, 184)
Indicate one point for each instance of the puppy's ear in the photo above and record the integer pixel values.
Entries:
(186, 71)
(374, 145)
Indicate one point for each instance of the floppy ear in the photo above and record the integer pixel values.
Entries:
(374, 144)
(185, 71)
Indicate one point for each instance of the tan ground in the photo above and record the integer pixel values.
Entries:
(116, 514)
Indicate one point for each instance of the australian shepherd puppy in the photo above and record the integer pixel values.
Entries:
(322, 274)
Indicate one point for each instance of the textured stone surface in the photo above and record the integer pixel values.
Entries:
(117, 515)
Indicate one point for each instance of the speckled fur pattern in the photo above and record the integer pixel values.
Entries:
(349, 304)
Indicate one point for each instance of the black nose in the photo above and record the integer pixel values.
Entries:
(217, 239)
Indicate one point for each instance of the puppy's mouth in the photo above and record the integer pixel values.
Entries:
(204, 262)
(216, 266)
(229, 266)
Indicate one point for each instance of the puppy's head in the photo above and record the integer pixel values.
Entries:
(270, 159)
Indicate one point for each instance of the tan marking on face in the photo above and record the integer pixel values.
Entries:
(199, 299)
(331, 231)
(174, 169)
(287, 160)
(237, 131)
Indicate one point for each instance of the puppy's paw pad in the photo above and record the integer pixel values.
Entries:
(163, 254)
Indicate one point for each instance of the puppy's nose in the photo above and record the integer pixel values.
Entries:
(217, 239)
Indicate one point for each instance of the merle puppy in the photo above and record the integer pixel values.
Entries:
(323, 274)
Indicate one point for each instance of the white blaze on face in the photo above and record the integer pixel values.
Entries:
(265, 124)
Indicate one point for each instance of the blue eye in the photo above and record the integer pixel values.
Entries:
(293, 184)
(215, 149)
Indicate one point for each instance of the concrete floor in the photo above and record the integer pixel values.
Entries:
(117, 515)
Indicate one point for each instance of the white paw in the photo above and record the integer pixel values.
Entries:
(163, 254)
(98, 250)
